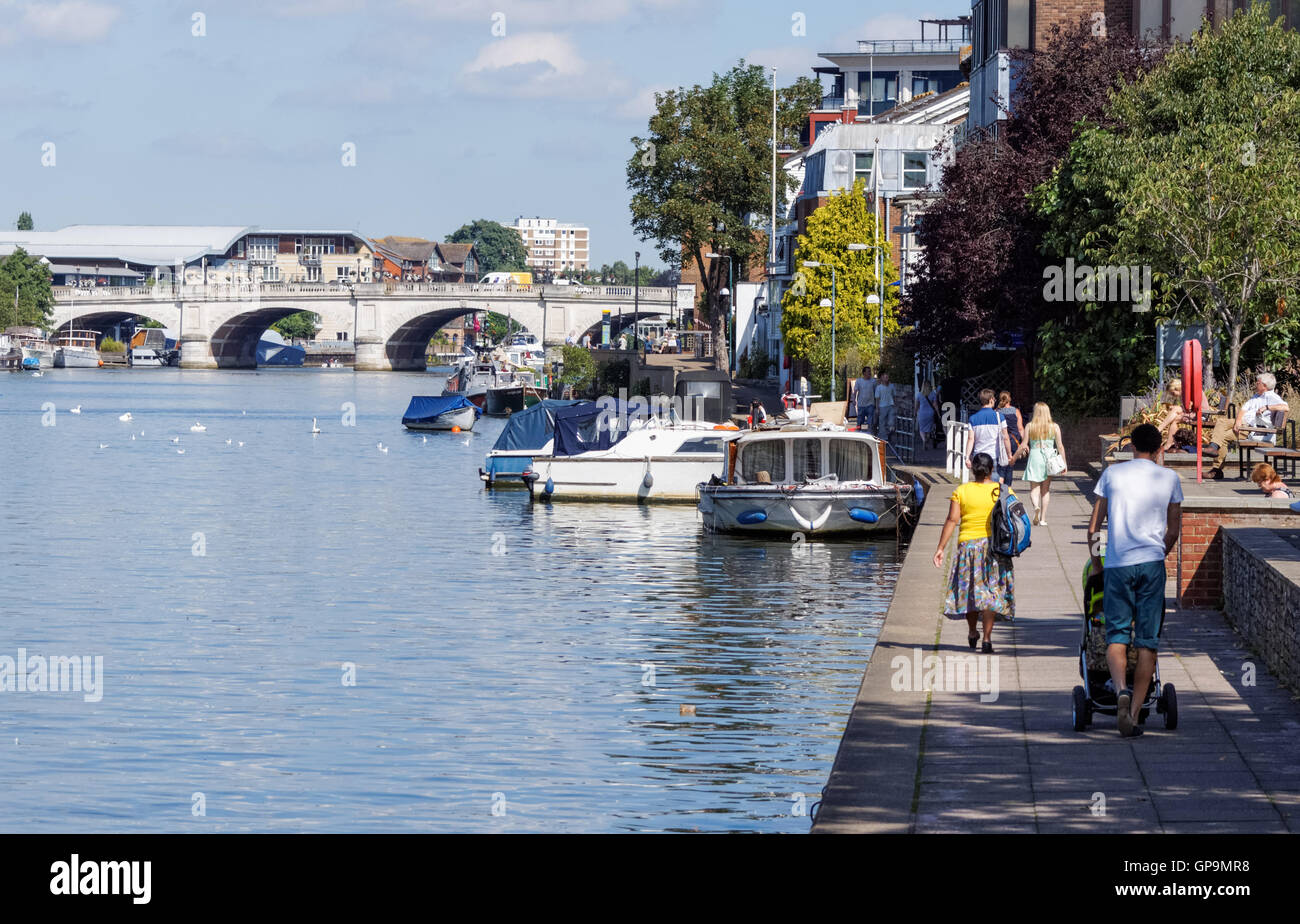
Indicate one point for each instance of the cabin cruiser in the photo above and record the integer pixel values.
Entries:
(527, 434)
(38, 352)
(511, 391)
(810, 480)
(77, 349)
(608, 451)
(146, 357)
(454, 412)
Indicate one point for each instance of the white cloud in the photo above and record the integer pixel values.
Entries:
(538, 65)
(887, 26)
(639, 106)
(548, 48)
(537, 12)
(72, 21)
(790, 61)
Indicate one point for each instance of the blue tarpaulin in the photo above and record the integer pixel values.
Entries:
(424, 408)
(587, 427)
(533, 427)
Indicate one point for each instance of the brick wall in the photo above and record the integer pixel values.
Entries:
(1261, 591)
(1119, 15)
(1196, 567)
(1081, 438)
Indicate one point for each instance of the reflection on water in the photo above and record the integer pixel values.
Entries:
(530, 659)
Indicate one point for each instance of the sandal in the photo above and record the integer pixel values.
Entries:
(972, 639)
(987, 648)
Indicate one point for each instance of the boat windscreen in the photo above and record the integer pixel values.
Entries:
(851, 460)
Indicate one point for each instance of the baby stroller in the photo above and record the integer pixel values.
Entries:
(1097, 694)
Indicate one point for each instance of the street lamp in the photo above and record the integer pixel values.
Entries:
(829, 304)
(636, 297)
(874, 299)
(731, 273)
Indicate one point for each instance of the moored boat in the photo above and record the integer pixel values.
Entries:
(447, 412)
(77, 349)
(802, 479)
(526, 435)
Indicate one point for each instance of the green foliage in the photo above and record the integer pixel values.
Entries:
(109, 345)
(499, 249)
(302, 325)
(620, 274)
(579, 370)
(755, 363)
(25, 221)
(805, 324)
(613, 376)
(27, 277)
(495, 326)
(1085, 362)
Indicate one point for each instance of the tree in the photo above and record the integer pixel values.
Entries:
(981, 267)
(25, 221)
(806, 325)
(301, 326)
(705, 164)
(499, 249)
(495, 326)
(26, 298)
(1200, 168)
(579, 370)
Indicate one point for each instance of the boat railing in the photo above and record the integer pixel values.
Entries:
(957, 439)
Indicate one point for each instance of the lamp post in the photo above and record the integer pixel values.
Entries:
(829, 304)
(731, 283)
(636, 297)
(874, 299)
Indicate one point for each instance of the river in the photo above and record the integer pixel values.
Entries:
(309, 634)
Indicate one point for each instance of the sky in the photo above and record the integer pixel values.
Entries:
(247, 112)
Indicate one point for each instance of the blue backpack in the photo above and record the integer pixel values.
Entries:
(1010, 533)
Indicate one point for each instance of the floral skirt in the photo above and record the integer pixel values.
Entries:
(981, 580)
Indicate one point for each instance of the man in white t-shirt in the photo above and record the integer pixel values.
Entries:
(885, 410)
(1259, 410)
(1141, 503)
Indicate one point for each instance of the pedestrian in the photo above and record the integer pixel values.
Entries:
(1015, 435)
(586, 341)
(927, 414)
(1044, 446)
(886, 411)
(988, 431)
(982, 585)
(1259, 411)
(1269, 481)
(1141, 504)
(863, 396)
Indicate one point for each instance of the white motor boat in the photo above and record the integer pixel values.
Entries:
(601, 453)
(143, 357)
(77, 349)
(802, 479)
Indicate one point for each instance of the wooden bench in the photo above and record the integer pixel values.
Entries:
(1281, 450)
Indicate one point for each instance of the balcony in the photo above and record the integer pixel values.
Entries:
(309, 259)
(911, 46)
(261, 257)
(832, 102)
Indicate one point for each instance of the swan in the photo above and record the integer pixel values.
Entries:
(383, 448)
(103, 445)
(229, 441)
(180, 452)
(133, 436)
(241, 444)
(314, 429)
(424, 439)
(75, 410)
(37, 375)
(125, 417)
(198, 428)
(176, 439)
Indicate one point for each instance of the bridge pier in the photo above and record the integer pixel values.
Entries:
(371, 355)
(196, 352)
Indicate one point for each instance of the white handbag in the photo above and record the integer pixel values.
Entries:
(1055, 464)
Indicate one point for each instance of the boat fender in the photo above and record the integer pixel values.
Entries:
(550, 486)
(863, 515)
(648, 480)
(750, 517)
(918, 490)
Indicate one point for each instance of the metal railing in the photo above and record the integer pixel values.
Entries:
(957, 438)
(340, 289)
(914, 46)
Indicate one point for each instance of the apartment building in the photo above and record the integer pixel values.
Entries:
(555, 246)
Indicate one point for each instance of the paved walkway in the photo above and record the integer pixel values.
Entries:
(947, 762)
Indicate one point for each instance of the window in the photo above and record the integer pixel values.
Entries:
(262, 248)
(862, 167)
(765, 456)
(913, 169)
(313, 273)
(807, 460)
(701, 444)
(270, 273)
(851, 459)
(342, 272)
(876, 91)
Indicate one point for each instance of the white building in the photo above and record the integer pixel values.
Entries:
(554, 246)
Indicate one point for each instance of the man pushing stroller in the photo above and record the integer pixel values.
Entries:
(1141, 504)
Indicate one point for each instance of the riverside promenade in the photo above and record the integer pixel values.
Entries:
(912, 761)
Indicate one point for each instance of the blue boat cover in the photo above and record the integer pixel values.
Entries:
(426, 407)
(588, 426)
(532, 427)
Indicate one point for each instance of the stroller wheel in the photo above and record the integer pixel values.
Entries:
(1080, 710)
(1171, 706)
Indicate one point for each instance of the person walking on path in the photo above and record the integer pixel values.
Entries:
(1042, 444)
(886, 412)
(927, 414)
(988, 431)
(982, 585)
(1141, 503)
(863, 396)
(1015, 435)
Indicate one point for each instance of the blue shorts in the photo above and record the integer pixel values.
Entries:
(1135, 603)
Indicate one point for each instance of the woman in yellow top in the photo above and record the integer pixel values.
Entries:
(982, 587)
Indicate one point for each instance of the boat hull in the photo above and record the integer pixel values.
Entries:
(72, 358)
(462, 417)
(671, 480)
(502, 402)
(44, 358)
(812, 510)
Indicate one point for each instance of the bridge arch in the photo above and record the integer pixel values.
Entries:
(234, 342)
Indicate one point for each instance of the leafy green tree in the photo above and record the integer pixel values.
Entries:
(579, 368)
(499, 249)
(495, 326)
(25, 221)
(704, 164)
(25, 294)
(302, 325)
(805, 325)
(1201, 172)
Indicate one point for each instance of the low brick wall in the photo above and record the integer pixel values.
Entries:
(1261, 591)
(1196, 568)
(1081, 438)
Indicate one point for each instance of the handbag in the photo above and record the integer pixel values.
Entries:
(1055, 464)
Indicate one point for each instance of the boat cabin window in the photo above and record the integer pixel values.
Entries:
(702, 444)
(851, 460)
(807, 458)
(764, 456)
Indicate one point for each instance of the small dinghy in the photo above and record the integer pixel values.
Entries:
(426, 412)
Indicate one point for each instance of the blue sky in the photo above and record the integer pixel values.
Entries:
(245, 124)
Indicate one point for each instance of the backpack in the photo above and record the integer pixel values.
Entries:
(1010, 533)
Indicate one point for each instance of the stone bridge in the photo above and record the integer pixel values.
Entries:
(389, 324)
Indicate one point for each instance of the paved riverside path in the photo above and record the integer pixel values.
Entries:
(947, 762)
